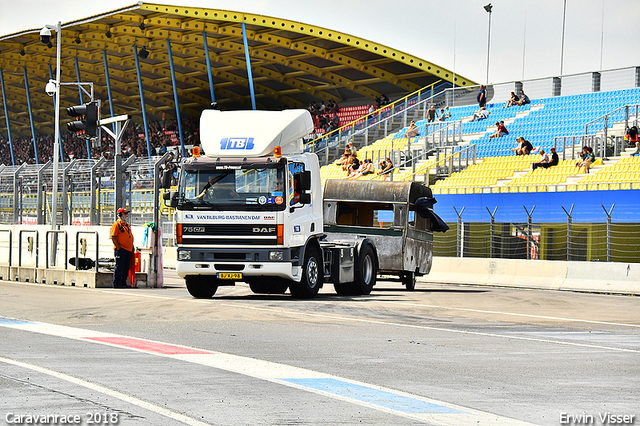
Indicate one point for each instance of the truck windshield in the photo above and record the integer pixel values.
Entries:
(232, 188)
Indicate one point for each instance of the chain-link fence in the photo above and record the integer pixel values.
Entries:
(606, 240)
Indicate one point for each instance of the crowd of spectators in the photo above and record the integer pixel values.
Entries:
(162, 135)
(325, 117)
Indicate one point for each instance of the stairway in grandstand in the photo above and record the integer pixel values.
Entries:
(497, 169)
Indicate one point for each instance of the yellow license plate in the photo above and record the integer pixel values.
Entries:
(229, 275)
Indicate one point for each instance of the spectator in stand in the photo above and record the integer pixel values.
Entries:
(588, 158)
(632, 135)
(412, 131)
(500, 131)
(335, 118)
(377, 101)
(431, 114)
(524, 146)
(524, 99)
(323, 108)
(554, 159)
(371, 109)
(352, 148)
(384, 100)
(366, 168)
(345, 159)
(385, 167)
(447, 113)
(636, 153)
(482, 96)
(544, 159)
(442, 116)
(512, 100)
(354, 165)
(481, 114)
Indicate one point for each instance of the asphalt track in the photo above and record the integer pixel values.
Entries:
(442, 355)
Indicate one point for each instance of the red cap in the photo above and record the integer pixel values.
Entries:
(122, 210)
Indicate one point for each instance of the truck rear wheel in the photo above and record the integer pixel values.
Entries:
(201, 286)
(312, 273)
(409, 280)
(366, 271)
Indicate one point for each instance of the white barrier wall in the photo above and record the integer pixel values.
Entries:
(600, 277)
(39, 251)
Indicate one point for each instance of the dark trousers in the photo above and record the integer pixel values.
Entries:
(121, 272)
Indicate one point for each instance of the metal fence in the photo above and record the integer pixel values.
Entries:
(602, 240)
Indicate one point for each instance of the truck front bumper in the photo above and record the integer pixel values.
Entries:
(272, 262)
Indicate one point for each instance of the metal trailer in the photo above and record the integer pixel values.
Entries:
(384, 213)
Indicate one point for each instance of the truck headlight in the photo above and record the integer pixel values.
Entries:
(276, 255)
(184, 255)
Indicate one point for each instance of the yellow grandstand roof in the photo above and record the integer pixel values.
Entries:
(292, 64)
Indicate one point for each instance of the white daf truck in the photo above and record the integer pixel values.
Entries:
(251, 210)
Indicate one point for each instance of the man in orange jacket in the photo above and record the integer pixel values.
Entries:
(123, 248)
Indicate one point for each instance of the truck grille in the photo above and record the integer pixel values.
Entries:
(230, 234)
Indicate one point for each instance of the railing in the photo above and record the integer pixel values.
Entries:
(378, 118)
(606, 118)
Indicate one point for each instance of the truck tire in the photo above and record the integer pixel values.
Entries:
(409, 280)
(312, 274)
(366, 271)
(201, 287)
(274, 286)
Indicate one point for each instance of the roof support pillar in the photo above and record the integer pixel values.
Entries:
(144, 112)
(6, 116)
(206, 55)
(33, 131)
(175, 97)
(82, 102)
(106, 76)
(248, 60)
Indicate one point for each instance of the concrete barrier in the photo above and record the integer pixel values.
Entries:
(599, 277)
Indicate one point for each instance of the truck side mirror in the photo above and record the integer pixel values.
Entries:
(171, 197)
(302, 184)
(303, 181)
(166, 179)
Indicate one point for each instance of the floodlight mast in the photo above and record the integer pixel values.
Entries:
(56, 139)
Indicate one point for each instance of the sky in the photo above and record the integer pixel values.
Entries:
(526, 35)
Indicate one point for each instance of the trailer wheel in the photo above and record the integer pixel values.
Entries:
(275, 287)
(201, 287)
(409, 280)
(366, 271)
(312, 274)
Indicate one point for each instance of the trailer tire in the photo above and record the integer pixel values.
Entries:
(312, 274)
(366, 271)
(409, 280)
(201, 287)
(273, 287)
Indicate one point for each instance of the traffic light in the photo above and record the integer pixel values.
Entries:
(86, 123)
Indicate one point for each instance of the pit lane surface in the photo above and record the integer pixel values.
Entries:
(442, 355)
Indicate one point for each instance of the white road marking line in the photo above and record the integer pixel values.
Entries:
(388, 323)
(387, 400)
(510, 313)
(113, 393)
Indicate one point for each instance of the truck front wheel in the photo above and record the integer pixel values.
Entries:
(312, 275)
(201, 286)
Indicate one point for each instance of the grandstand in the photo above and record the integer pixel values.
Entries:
(478, 180)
